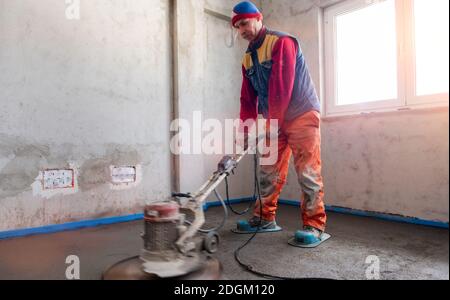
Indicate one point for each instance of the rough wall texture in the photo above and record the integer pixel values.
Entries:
(395, 163)
(209, 82)
(86, 94)
(93, 93)
(391, 162)
(222, 90)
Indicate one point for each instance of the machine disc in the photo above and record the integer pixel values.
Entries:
(131, 269)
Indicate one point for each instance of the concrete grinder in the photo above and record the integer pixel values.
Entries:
(173, 247)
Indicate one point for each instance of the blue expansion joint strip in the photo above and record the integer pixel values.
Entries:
(129, 218)
(377, 215)
(92, 223)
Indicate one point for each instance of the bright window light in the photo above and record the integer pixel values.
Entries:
(366, 61)
(431, 19)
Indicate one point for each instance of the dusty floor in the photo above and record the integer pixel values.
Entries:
(404, 251)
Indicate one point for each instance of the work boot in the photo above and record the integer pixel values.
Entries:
(314, 231)
(309, 237)
(257, 222)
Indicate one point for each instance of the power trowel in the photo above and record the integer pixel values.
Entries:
(174, 248)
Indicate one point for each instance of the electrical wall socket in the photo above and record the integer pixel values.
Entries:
(120, 175)
(58, 179)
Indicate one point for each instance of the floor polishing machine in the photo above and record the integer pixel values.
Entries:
(175, 248)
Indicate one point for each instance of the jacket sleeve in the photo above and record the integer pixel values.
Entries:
(282, 78)
(248, 100)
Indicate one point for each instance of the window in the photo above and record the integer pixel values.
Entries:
(385, 55)
(431, 44)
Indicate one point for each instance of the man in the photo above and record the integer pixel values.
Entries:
(277, 84)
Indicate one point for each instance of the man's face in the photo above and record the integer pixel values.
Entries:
(248, 28)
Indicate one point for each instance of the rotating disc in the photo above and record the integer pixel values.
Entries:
(131, 269)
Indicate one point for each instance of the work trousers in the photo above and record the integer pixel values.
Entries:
(301, 139)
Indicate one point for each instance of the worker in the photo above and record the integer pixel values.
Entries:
(277, 85)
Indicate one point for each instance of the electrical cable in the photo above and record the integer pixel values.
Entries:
(224, 220)
(249, 267)
(239, 213)
(233, 38)
(256, 196)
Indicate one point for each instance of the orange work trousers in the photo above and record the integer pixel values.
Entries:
(300, 138)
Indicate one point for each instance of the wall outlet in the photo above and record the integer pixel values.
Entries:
(58, 179)
(120, 175)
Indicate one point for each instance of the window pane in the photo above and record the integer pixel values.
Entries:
(367, 54)
(432, 51)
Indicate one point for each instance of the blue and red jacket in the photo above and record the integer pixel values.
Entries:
(276, 80)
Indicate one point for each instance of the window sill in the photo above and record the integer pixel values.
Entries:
(429, 108)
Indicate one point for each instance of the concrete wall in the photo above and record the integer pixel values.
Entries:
(209, 81)
(388, 162)
(98, 92)
(82, 94)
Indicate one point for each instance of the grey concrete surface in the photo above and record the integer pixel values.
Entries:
(404, 251)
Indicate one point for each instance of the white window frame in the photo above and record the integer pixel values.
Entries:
(406, 98)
